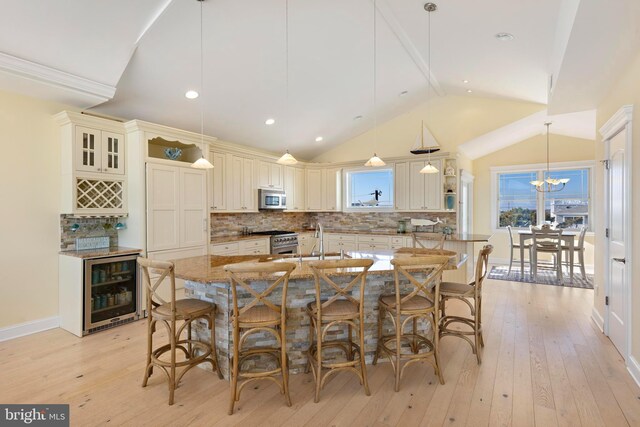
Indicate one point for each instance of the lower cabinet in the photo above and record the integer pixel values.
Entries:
(258, 246)
(307, 243)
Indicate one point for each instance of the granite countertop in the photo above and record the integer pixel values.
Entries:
(210, 268)
(101, 252)
(378, 232)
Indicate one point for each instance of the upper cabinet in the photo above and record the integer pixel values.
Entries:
(93, 166)
(294, 187)
(218, 175)
(324, 189)
(241, 190)
(270, 175)
(99, 151)
(424, 190)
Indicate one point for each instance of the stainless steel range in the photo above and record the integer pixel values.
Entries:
(282, 242)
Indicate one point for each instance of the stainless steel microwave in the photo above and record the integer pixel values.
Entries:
(272, 199)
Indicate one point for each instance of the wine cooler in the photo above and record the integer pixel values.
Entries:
(110, 292)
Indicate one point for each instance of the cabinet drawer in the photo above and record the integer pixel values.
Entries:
(372, 246)
(397, 240)
(254, 247)
(382, 240)
(342, 237)
(225, 249)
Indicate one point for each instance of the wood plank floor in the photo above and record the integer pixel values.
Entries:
(544, 364)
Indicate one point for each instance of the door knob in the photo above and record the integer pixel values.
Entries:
(621, 260)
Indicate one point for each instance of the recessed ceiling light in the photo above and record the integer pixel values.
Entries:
(357, 117)
(269, 122)
(505, 36)
(319, 139)
(404, 92)
(191, 94)
(469, 91)
(465, 81)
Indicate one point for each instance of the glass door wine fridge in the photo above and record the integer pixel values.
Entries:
(111, 292)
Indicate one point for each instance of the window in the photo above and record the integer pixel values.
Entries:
(519, 204)
(369, 189)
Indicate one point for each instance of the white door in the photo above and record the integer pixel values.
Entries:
(299, 189)
(401, 196)
(88, 150)
(235, 187)
(163, 207)
(264, 174)
(618, 291)
(290, 186)
(193, 207)
(113, 153)
(275, 176)
(466, 202)
(331, 193)
(249, 193)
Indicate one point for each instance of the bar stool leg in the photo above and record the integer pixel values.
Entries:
(363, 367)
(436, 343)
(398, 349)
(149, 367)
(318, 360)
(381, 314)
(312, 334)
(214, 350)
(284, 366)
(349, 348)
(172, 376)
(234, 370)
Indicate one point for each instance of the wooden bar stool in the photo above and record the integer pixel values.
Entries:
(339, 308)
(169, 313)
(428, 240)
(259, 315)
(406, 309)
(471, 295)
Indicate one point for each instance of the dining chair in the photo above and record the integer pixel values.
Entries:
(405, 345)
(515, 246)
(259, 316)
(579, 250)
(546, 241)
(176, 315)
(336, 306)
(435, 240)
(471, 294)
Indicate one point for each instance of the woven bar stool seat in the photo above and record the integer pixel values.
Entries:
(339, 309)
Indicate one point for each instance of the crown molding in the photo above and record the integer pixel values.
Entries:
(91, 89)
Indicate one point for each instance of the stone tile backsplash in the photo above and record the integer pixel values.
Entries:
(230, 224)
(89, 227)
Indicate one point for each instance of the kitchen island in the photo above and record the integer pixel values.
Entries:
(206, 279)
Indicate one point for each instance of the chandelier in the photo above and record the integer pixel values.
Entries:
(550, 184)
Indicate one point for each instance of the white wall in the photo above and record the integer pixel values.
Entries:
(29, 208)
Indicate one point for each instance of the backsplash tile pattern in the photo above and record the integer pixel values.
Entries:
(224, 224)
(89, 227)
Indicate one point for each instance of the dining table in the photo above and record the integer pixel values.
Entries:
(568, 239)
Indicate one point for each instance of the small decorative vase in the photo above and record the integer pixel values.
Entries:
(451, 201)
(172, 153)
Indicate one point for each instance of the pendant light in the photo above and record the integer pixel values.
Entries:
(429, 168)
(201, 163)
(549, 185)
(287, 158)
(375, 161)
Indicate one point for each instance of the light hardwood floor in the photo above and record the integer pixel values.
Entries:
(544, 364)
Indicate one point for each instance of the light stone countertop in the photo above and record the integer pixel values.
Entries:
(210, 268)
(101, 252)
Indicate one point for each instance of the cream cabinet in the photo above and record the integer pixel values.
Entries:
(270, 175)
(176, 207)
(232, 248)
(294, 188)
(401, 186)
(99, 151)
(324, 189)
(219, 181)
(241, 189)
(259, 246)
(334, 243)
(307, 242)
(425, 190)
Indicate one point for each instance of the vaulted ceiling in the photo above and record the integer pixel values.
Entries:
(137, 59)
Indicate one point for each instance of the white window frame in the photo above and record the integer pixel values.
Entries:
(346, 205)
(539, 167)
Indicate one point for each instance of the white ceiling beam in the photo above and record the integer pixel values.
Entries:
(408, 45)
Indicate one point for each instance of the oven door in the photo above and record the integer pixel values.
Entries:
(283, 250)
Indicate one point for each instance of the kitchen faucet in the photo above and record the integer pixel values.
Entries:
(320, 235)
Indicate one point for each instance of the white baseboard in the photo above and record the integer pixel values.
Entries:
(28, 328)
(597, 319)
(634, 369)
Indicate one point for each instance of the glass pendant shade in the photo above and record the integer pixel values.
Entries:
(202, 163)
(375, 161)
(287, 159)
(429, 168)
